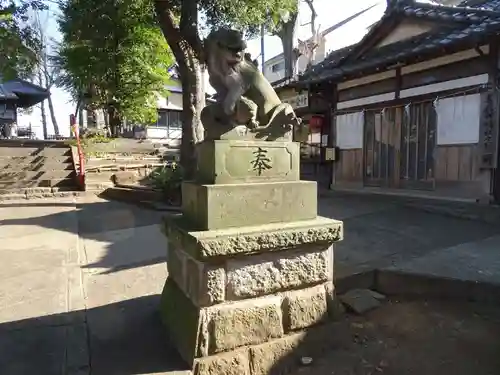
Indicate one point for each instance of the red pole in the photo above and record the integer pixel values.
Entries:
(81, 159)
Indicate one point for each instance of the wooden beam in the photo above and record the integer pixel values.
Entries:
(446, 85)
(367, 79)
(443, 60)
(366, 100)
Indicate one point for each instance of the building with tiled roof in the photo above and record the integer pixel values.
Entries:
(15, 94)
(459, 24)
(413, 107)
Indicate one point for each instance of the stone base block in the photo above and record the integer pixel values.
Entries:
(244, 161)
(280, 356)
(230, 242)
(209, 207)
(220, 336)
(251, 276)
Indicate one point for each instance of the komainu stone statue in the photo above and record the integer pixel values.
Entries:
(247, 106)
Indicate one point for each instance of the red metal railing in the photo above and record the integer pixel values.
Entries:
(81, 158)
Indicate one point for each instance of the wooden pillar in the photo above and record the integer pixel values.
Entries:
(494, 66)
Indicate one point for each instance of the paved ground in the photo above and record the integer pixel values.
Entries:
(383, 232)
(79, 280)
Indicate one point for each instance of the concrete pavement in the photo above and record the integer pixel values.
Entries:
(383, 232)
(80, 278)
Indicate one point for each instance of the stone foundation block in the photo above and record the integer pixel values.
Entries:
(278, 356)
(176, 265)
(267, 357)
(209, 207)
(236, 162)
(202, 282)
(182, 321)
(336, 309)
(305, 308)
(252, 239)
(203, 331)
(233, 363)
(205, 283)
(244, 323)
(282, 356)
(269, 273)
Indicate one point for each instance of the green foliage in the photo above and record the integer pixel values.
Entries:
(244, 15)
(167, 178)
(19, 43)
(247, 15)
(114, 52)
(87, 140)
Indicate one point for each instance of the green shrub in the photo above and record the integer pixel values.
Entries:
(168, 179)
(89, 138)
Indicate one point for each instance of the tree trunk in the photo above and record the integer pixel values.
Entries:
(53, 117)
(187, 48)
(42, 109)
(105, 116)
(193, 101)
(286, 34)
(114, 121)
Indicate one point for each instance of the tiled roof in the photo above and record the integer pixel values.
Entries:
(481, 4)
(22, 87)
(6, 94)
(469, 22)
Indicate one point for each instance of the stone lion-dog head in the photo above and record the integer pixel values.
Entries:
(224, 51)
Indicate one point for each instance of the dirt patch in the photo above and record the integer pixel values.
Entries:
(415, 337)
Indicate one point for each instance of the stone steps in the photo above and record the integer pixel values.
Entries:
(100, 173)
(35, 159)
(37, 167)
(29, 175)
(38, 193)
(35, 164)
(33, 151)
(56, 182)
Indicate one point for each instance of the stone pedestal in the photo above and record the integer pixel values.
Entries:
(250, 263)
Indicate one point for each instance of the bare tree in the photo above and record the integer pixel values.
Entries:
(47, 73)
(42, 106)
(308, 47)
(285, 30)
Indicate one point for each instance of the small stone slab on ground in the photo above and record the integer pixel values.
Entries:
(362, 300)
(125, 177)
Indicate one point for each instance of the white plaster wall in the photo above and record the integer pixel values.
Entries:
(458, 120)
(172, 101)
(268, 66)
(160, 132)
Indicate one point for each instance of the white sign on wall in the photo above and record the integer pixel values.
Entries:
(458, 119)
(298, 101)
(350, 130)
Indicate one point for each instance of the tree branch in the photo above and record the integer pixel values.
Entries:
(188, 26)
(313, 16)
(167, 23)
(186, 31)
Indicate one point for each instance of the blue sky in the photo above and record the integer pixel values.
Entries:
(328, 14)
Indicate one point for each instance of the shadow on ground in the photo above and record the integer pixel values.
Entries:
(116, 236)
(379, 232)
(126, 338)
